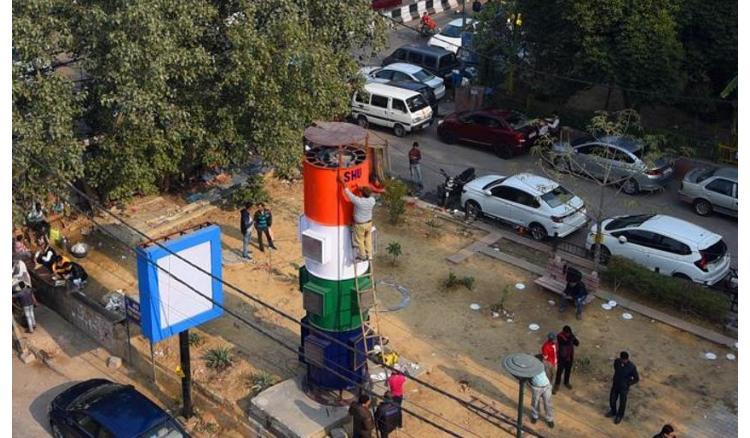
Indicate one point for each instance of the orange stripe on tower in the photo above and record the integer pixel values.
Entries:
(325, 201)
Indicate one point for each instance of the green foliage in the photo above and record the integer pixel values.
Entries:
(253, 190)
(218, 359)
(259, 381)
(395, 190)
(174, 88)
(394, 250)
(194, 339)
(453, 281)
(672, 292)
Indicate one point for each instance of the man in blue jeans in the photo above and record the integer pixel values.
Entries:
(575, 290)
(246, 229)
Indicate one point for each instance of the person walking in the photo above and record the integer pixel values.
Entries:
(575, 290)
(25, 297)
(541, 390)
(415, 170)
(476, 7)
(566, 343)
(666, 432)
(363, 423)
(549, 355)
(388, 416)
(626, 375)
(396, 386)
(246, 229)
(362, 226)
(263, 221)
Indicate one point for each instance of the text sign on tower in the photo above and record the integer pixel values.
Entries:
(168, 306)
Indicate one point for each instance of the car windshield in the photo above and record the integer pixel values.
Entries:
(168, 429)
(582, 140)
(423, 76)
(557, 197)
(416, 103)
(451, 31)
(497, 181)
(628, 221)
(715, 251)
(517, 120)
(707, 173)
(95, 394)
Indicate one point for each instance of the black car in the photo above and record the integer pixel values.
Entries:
(421, 88)
(436, 60)
(100, 408)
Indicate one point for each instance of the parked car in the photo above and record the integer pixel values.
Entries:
(666, 245)
(436, 60)
(711, 189)
(449, 37)
(508, 133)
(614, 158)
(100, 408)
(392, 107)
(385, 4)
(423, 89)
(539, 204)
(404, 72)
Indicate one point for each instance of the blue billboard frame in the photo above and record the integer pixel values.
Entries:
(148, 283)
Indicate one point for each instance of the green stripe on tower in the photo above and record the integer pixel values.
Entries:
(331, 305)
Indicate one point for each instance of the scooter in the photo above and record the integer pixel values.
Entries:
(449, 192)
(426, 32)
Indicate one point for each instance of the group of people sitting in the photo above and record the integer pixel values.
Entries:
(60, 266)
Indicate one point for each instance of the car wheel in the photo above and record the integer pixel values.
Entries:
(604, 254)
(537, 232)
(399, 130)
(630, 187)
(473, 211)
(503, 151)
(56, 432)
(447, 137)
(362, 121)
(682, 276)
(703, 207)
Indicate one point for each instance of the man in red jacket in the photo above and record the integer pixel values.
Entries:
(415, 170)
(549, 355)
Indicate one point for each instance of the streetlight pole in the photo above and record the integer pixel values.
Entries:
(523, 367)
(463, 23)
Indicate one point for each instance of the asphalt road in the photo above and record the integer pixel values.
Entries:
(456, 158)
(34, 387)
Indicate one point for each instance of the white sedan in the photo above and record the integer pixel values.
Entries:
(666, 245)
(450, 37)
(402, 71)
(539, 204)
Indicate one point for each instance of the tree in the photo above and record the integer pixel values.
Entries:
(394, 250)
(173, 88)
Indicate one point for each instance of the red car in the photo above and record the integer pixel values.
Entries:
(508, 133)
(385, 4)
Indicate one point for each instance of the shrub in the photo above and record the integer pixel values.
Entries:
(673, 292)
(253, 190)
(194, 339)
(218, 359)
(468, 281)
(453, 281)
(259, 381)
(395, 190)
(394, 250)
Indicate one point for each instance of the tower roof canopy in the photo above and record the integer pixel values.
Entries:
(335, 134)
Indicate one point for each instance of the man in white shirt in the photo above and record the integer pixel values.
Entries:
(362, 226)
(541, 389)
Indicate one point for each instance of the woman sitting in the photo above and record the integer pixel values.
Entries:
(61, 266)
(78, 275)
(46, 256)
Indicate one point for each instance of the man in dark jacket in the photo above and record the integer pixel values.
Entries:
(574, 290)
(25, 297)
(666, 432)
(363, 423)
(388, 416)
(626, 375)
(246, 229)
(566, 343)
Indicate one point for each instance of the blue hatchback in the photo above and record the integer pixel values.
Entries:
(98, 408)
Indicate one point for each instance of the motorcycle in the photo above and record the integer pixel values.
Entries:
(449, 192)
(426, 32)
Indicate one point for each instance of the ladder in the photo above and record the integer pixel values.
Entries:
(368, 305)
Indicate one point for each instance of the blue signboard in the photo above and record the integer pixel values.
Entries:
(132, 309)
(175, 292)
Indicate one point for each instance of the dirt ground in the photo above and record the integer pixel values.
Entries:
(461, 348)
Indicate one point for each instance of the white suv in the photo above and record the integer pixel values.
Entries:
(666, 245)
(543, 206)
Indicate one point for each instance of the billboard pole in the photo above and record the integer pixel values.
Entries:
(187, 403)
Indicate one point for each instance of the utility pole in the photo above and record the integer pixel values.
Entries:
(463, 23)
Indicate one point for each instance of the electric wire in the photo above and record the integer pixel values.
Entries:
(95, 204)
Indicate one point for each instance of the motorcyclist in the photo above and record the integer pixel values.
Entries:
(428, 23)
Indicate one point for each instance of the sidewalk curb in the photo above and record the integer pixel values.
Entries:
(414, 11)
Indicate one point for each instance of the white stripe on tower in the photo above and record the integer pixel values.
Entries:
(337, 240)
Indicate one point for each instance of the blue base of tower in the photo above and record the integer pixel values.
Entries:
(331, 366)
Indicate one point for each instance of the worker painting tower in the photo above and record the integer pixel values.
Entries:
(327, 280)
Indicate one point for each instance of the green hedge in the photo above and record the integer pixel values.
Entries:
(673, 292)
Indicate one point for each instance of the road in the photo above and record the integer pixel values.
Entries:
(456, 158)
(34, 386)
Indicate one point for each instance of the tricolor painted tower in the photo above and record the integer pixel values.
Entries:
(327, 280)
